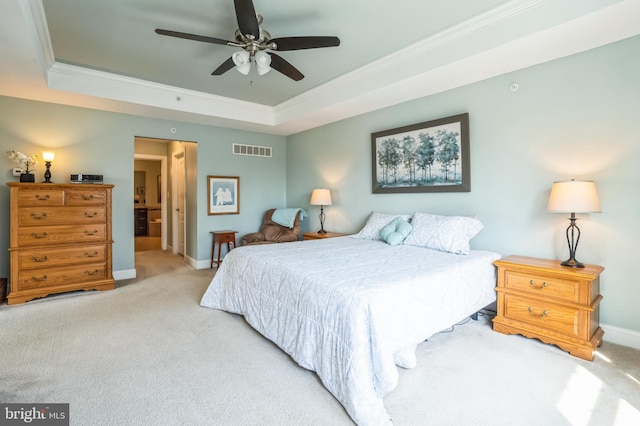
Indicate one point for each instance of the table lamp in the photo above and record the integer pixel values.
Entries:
(573, 197)
(321, 197)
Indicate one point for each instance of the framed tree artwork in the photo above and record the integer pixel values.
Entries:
(426, 157)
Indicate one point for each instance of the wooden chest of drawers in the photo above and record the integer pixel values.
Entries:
(60, 239)
(539, 298)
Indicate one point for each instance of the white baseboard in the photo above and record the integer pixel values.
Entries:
(621, 336)
(126, 274)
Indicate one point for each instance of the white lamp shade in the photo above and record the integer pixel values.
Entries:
(242, 61)
(574, 196)
(320, 197)
(48, 156)
(263, 62)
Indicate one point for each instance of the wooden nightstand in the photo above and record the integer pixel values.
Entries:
(219, 238)
(559, 305)
(316, 236)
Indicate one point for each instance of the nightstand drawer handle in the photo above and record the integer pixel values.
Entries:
(94, 272)
(542, 315)
(532, 283)
(42, 197)
(42, 278)
(42, 216)
(42, 259)
(42, 235)
(88, 214)
(87, 197)
(95, 231)
(95, 254)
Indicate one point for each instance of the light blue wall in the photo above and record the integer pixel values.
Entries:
(577, 117)
(90, 141)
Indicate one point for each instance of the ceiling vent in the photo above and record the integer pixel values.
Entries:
(253, 150)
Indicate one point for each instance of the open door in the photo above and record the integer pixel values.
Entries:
(179, 208)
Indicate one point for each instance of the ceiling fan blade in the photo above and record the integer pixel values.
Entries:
(247, 19)
(191, 36)
(299, 43)
(226, 66)
(280, 65)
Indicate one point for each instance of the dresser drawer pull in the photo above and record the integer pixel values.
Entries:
(88, 214)
(42, 197)
(95, 231)
(94, 272)
(95, 254)
(36, 217)
(42, 259)
(34, 235)
(42, 278)
(87, 197)
(532, 283)
(542, 315)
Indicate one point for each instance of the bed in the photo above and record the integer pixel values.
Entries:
(352, 309)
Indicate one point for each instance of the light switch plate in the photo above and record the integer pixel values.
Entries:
(17, 171)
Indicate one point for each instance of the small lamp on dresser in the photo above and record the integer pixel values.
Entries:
(47, 157)
(321, 197)
(573, 197)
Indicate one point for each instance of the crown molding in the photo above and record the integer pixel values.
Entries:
(471, 51)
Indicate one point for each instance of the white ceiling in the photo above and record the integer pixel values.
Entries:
(105, 54)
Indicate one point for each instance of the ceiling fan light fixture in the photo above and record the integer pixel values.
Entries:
(242, 60)
(263, 62)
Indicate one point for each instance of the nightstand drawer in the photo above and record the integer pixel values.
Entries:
(539, 285)
(549, 316)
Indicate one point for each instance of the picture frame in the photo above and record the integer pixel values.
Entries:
(432, 156)
(223, 195)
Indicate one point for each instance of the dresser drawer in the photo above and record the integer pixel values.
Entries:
(82, 197)
(546, 315)
(40, 235)
(41, 197)
(543, 286)
(62, 275)
(49, 257)
(32, 216)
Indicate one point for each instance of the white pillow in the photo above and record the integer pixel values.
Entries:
(444, 233)
(376, 222)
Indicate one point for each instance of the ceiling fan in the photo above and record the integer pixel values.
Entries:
(254, 40)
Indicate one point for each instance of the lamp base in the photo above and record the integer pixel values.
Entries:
(572, 263)
(322, 231)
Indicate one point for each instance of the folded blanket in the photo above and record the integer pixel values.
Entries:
(287, 217)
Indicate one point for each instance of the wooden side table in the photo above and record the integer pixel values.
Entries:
(556, 304)
(219, 238)
(316, 236)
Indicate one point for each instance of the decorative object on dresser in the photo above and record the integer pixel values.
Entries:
(321, 197)
(556, 304)
(573, 197)
(26, 162)
(317, 236)
(60, 239)
(47, 157)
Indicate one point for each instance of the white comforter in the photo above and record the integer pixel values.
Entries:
(343, 307)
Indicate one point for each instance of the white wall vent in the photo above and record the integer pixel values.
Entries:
(256, 151)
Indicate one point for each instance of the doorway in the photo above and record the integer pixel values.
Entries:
(150, 195)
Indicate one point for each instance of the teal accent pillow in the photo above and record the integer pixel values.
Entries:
(395, 232)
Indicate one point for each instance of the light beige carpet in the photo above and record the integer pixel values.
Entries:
(148, 354)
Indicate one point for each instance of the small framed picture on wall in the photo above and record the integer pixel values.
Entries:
(223, 194)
